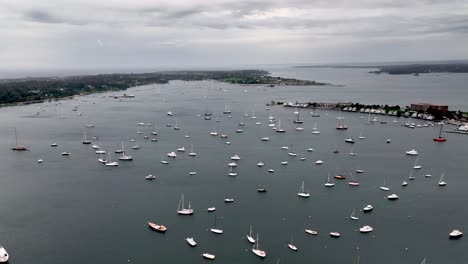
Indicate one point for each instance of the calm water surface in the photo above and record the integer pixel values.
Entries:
(74, 210)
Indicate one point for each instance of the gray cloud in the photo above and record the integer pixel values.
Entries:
(41, 17)
(151, 32)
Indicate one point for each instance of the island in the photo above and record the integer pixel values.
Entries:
(414, 69)
(38, 89)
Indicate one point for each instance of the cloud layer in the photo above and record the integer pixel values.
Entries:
(145, 33)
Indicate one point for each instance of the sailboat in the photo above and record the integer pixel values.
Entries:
(110, 163)
(257, 251)
(227, 110)
(124, 157)
(302, 193)
(411, 177)
(292, 246)
(329, 183)
(441, 180)
(341, 125)
(181, 208)
(18, 147)
(415, 166)
(315, 130)
(176, 127)
(361, 136)
(249, 236)
(279, 129)
(384, 186)
(164, 161)
(216, 230)
(231, 172)
(440, 138)
(85, 140)
(154, 132)
(353, 216)
(353, 182)
(297, 120)
(191, 153)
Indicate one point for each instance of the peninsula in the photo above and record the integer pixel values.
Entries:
(38, 89)
(414, 69)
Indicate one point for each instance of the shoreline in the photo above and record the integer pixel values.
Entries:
(375, 109)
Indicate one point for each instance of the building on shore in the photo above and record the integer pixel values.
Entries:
(424, 107)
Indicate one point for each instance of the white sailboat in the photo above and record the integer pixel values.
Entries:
(441, 180)
(216, 230)
(181, 207)
(315, 130)
(85, 140)
(353, 216)
(302, 193)
(111, 163)
(164, 161)
(125, 157)
(192, 153)
(249, 236)
(384, 186)
(279, 129)
(257, 251)
(416, 166)
(329, 183)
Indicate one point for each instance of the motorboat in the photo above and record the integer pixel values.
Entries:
(172, 154)
(350, 140)
(311, 232)
(455, 234)
(228, 200)
(211, 209)
(393, 197)
(208, 256)
(335, 234)
(150, 177)
(65, 153)
(260, 164)
(318, 162)
(366, 229)
(340, 177)
(368, 208)
(101, 152)
(265, 138)
(235, 157)
(157, 227)
(191, 241)
(3, 255)
(412, 152)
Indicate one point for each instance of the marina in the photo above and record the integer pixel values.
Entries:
(102, 202)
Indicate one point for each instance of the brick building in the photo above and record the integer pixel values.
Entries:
(425, 107)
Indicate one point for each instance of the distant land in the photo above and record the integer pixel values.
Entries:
(414, 69)
(38, 89)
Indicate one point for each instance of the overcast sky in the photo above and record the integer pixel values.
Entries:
(145, 33)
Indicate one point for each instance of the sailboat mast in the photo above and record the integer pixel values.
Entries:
(16, 138)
